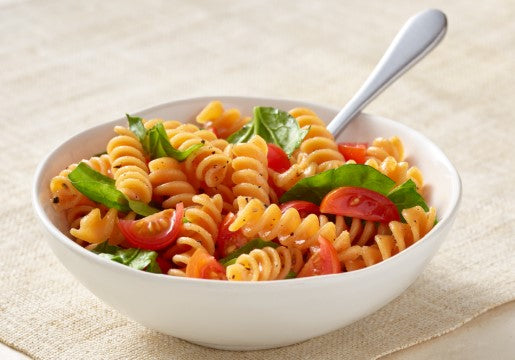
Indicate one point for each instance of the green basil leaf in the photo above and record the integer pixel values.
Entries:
(291, 275)
(135, 258)
(315, 187)
(159, 145)
(274, 126)
(98, 187)
(185, 220)
(137, 127)
(245, 249)
(102, 189)
(406, 196)
(140, 208)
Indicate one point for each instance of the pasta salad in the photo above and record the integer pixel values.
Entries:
(240, 198)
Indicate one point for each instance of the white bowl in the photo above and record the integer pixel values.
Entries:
(244, 315)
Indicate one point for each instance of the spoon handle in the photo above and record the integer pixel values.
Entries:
(421, 33)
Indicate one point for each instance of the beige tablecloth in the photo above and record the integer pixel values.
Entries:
(65, 66)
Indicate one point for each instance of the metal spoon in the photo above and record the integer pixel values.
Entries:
(421, 33)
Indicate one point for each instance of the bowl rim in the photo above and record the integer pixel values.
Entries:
(379, 267)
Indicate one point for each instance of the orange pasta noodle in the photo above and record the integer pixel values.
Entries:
(381, 148)
(270, 223)
(250, 167)
(64, 194)
(170, 183)
(200, 230)
(128, 165)
(207, 164)
(399, 172)
(319, 144)
(261, 264)
(224, 122)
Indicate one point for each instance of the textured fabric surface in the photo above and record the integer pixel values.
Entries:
(66, 66)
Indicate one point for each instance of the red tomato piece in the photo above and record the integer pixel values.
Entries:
(360, 203)
(204, 266)
(303, 207)
(323, 262)
(153, 232)
(227, 241)
(164, 264)
(354, 151)
(277, 159)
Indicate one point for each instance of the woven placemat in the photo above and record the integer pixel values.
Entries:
(66, 66)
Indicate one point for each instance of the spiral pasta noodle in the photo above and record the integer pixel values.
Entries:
(398, 171)
(201, 228)
(64, 194)
(381, 148)
(319, 144)
(261, 264)
(226, 122)
(128, 165)
(207, 164)
(250, 167)
(170, 183)
(270, 223)
(95, 228)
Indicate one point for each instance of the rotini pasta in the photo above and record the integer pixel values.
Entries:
(210, 206)
(128, 165)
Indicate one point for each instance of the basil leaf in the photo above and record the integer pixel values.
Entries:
(315, 187)
(274, 126)
(140, 208)
(159, 145)
(291, 275)
(102, 189)
(98, 187)
(406, 196)
(137, 127)
(245, 249)
(135, 258)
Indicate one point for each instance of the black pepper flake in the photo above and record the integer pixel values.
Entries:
(291, 234)
(117, 166)
(213, 152)
(55, 200)
(203, 141)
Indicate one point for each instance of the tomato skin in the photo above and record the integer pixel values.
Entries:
(164, 264)
(201, 265)
(277, 159)
(134, 230)
(227, 241)
(360, 203)
(303, 207)
(354, 151)
(323, 262)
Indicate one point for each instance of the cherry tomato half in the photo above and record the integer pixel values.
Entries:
(303, 207)
(164, 264)
(204, 266)
(277, 159)
(227, 241)
(153, 232)
(354, 151)
(323, 262)
(360, 203)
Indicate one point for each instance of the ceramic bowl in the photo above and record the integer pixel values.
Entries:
(245, 315)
